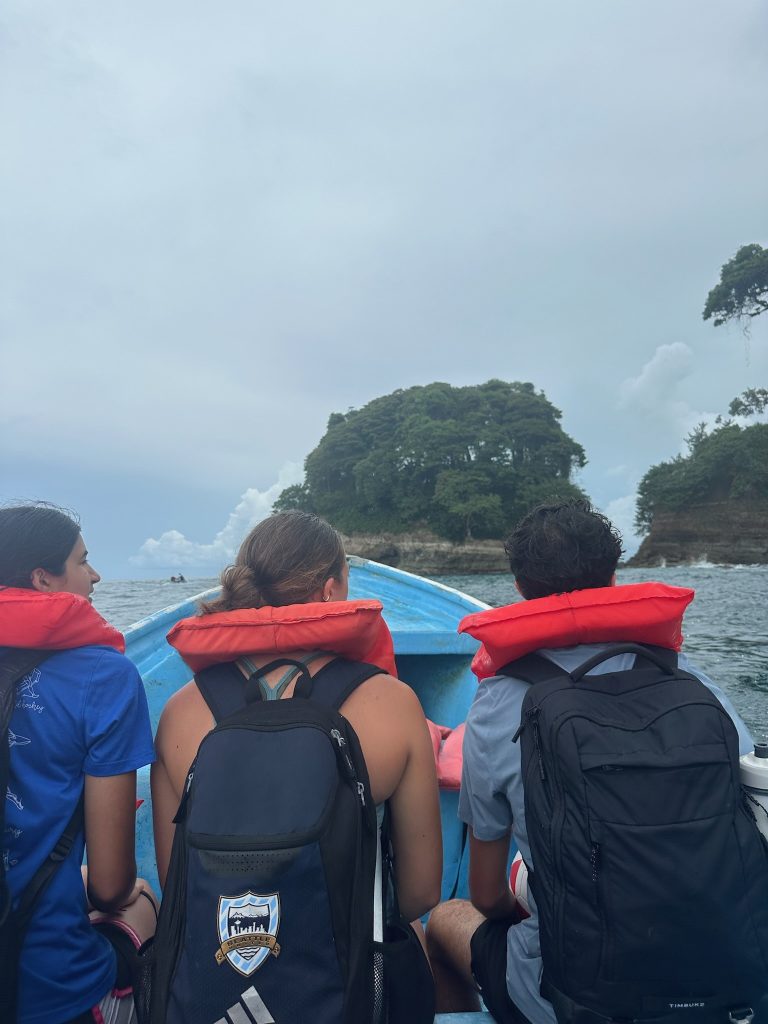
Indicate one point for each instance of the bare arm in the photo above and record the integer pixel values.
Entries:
(415, 808)
(183, 723)
(164, 806)
(488, 879)
(110, 828)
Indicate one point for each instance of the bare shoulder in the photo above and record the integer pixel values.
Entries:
(185, 711)
(386, 696)
(383, 687)
(188, 696)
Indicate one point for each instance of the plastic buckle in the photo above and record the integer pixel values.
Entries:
(742, 1015)
(61, 851)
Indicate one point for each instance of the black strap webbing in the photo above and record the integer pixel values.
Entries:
(15, 663)
(42, 877)
(532, 668)
(337, 680)
(223, 686)
(223, 689)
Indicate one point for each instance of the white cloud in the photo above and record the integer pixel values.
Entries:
(654, 386)
(172, 549)
(262, 214)
(653, 400)
(621, 512)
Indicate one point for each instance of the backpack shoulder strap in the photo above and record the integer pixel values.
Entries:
(15, 663)
(39, 881)
(532, 668)
(223, 686)
(223, 689)
(335, 681)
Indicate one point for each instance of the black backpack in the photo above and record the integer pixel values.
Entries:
(15, 664)
(651, 877)
(268, 907)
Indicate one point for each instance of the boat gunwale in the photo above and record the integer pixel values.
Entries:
(406, 641)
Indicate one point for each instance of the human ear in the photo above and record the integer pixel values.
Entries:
(40, 580)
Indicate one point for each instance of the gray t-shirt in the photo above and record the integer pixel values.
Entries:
(491, 798)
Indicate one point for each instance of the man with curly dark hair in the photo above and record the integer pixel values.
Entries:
(562, 547)
(564, 557)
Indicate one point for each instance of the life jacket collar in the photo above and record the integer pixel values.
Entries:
(650, 613)
(352, 629)
(53, 622)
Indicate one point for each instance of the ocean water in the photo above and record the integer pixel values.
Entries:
(726, 626)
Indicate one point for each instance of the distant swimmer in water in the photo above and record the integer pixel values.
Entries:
(78, 732)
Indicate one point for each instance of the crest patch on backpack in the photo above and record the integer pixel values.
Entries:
(247, 928)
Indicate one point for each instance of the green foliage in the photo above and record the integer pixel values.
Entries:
(749, 403)
(465, 498)
(295, 496)
(463, 462)
(743, 287)
(728, 463)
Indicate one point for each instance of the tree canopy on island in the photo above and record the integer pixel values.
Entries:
(460, 461)
(743, 287)
(729, 462)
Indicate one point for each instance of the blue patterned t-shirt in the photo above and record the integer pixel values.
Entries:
(81, 712)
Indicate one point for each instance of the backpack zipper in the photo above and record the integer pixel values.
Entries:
(526, 719)
(594, 858)
(532, 716)
(537, 745)
(181, 813)
(346, 761)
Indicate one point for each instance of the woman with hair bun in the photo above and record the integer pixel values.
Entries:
(285, 596)
(78, 732)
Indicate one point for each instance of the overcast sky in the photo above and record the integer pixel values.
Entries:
(223, 222)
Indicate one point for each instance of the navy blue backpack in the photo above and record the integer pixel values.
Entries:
(267, 913)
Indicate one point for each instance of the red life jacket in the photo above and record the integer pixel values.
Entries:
(52, 622)
(446, 746)
(353, 629)
(649, 613)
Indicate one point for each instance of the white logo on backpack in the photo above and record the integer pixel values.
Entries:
(248, 927)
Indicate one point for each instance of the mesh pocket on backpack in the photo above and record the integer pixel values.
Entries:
(237, 862)
(379, 1008)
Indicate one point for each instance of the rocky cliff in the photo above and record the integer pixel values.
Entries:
(724, 532)
(428, 555)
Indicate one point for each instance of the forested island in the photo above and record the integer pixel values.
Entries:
(712, 503)
(431, 477)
